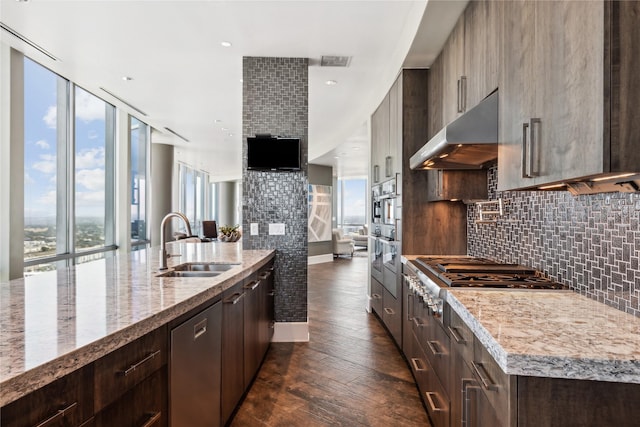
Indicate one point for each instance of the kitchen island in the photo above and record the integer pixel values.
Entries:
(55, 323)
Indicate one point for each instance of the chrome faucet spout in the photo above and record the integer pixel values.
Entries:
(163, 240)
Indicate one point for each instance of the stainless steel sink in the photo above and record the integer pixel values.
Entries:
(205, 267)
(198, 269)
(187, 273)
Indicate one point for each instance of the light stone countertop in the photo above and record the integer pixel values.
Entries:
(556, 334)
(55, 322)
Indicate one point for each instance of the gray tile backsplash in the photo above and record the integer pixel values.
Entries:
(275, 101)
(590, 243)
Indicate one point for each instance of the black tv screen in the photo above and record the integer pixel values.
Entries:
(273, 153)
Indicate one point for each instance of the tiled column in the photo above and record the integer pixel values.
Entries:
(275, 101)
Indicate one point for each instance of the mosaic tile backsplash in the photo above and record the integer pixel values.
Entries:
(275, 101)
(590, 243)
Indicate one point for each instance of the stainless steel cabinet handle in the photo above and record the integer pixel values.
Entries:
(376, 173)
(199, 329)
(456, 336)
(416, 365)
(264, 275)
(484, 378)
(534, 142)
(387, 167)
(434, 350)
(272, 293)
(439, 182)
(463, 95)
(410, 307)
(153, 418)
(234, 299)
(459, 96)
(61, 413)
(431, 402)
(525, 150)
(389, 311)
(418, 322)
(135, 366)
(252, 285)
(468, 385)
(375, 296)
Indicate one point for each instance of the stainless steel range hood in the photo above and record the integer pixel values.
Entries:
(469, 142)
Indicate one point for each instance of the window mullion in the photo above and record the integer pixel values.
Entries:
(63, 213)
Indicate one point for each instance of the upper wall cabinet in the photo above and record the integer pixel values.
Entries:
(379, 140)
(469, 59)
(568, 83)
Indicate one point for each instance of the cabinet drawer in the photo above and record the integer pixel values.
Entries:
(436, 399)
(376, 296)
(437, 348)
(142, 406)
(122, 369)
(392, 315)
(493, 381)
(461, 335)
(65, 402)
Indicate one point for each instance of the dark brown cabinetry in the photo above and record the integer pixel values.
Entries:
(376, 296)
(65, 402)
(232, 349)
(456, 185)
(566, 79)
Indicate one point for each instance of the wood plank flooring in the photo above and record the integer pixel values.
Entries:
(349, 374)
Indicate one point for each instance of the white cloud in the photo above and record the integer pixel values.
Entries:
(51, 118)
(92, 134)
(89, 107)
(28, 180)
(43, 144)
(91, 179)
(45, 166)
(91, 158)
(48, 198)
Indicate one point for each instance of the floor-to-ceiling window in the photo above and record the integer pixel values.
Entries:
(139, 138)
(194, 196)
(69, 172)
(351, 204)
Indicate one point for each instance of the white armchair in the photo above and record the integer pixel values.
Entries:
(361, 238)
(341, 245)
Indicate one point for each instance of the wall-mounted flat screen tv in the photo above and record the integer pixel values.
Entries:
(273, 153)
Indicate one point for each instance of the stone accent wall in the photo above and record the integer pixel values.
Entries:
(275, 101)
(590, 243)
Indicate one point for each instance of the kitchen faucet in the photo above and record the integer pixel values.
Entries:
(163, 251)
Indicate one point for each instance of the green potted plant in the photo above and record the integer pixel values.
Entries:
(228, 233)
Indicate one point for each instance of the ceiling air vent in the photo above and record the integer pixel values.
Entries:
(335, 61)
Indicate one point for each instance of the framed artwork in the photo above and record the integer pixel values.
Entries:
(319, 213)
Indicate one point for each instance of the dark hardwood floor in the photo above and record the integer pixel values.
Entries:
(349, 374)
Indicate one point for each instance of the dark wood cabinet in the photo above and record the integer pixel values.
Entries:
(266, 319)
(120, 370)
(143, 405)
(232, 349)
(456, 185)
(67, 401)
(376, 296)
(253, 288)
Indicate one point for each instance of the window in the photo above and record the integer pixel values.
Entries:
(139, 137)
(351, 196)
(69, 171)
(193, 196)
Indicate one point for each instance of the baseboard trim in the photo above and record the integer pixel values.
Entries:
(291, 332)
(318, 259)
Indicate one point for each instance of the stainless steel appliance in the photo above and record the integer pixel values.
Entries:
(389, 211)
(428, 277)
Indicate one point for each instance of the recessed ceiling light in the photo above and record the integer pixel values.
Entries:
(217, 121)
(225, 44)
(241, 80)
(230, 134)
(331, 82)
(127, 78)
(224, 129)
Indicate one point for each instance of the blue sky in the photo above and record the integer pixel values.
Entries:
(40, 147)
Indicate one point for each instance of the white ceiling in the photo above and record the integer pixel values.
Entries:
(184, 80)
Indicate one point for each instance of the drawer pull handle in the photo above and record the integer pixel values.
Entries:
(434, 350)
(265, 275)
(418, 322)
(389, 311)
(430, 399)
(153, 418)
(61, 413)
(140, 363)
(375, 296)
(456, 336)
(484, 378)
(199, 329)
(272, 293)
(416, 366)
(234, 299)
(252, 285)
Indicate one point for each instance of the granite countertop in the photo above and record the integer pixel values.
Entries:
(551, 333)
(556, 334)
(54, 322)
